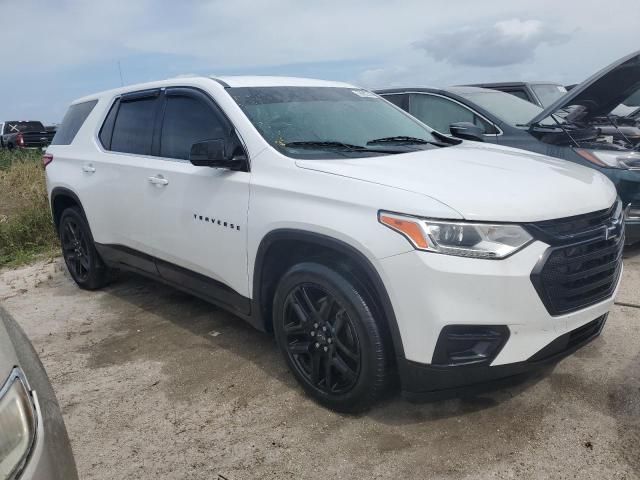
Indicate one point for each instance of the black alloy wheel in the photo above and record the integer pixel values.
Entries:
(329, 337)
(75, 249)
(78, 250)
(321, 339)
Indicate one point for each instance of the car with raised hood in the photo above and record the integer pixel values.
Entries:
(577, 127)
(33, 439)
(368, 244)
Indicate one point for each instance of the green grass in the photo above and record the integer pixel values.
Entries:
(26, 231)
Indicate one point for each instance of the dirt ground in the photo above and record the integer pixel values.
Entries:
(155, 384)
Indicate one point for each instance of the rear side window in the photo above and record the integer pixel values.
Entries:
(133, 127)
(24, 127)
(72, 121)
(188, 120)
(400, 100)
(519, 93)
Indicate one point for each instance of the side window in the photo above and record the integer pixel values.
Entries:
(106, 131)
(188, 120)
(133, 127)
(439, 113)
(72, 121)
(398, 99)
(519, 93)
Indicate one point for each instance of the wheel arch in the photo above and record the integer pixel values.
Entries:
(282, 248)
(61, 199)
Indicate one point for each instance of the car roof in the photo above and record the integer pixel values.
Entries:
(267, 81)
(454, 90)
(225, 81)
(511, 84)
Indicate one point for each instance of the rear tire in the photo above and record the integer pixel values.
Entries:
(329, 337)
(79, 252)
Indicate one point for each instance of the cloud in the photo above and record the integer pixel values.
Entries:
(506, 42)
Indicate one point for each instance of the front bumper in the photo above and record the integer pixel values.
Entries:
(428, 382)
(430, 291)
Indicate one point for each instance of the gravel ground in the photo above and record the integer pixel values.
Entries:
(156, 384)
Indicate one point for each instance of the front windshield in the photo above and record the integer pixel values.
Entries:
(548, 93)
(328, 122)
(511, 109)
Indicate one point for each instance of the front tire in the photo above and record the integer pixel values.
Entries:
(331, 341)
(79, 252)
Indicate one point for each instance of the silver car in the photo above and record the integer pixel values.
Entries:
(33, 439)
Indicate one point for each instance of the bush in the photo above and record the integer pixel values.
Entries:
(26, 229)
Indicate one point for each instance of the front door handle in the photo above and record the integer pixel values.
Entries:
(159, 180)
(88, 169)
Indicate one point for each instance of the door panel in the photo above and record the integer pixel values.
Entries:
(199, 220)
(198, 215)
(117, 177)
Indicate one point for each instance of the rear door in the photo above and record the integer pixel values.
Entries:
(118, 180)
(198, 215)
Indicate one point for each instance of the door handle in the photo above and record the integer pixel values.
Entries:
(159, 180)
(88, 169)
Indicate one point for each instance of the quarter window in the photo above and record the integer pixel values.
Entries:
(72, 121)
(521, 94)
(439, 113)
(133, 128)
(188, 120)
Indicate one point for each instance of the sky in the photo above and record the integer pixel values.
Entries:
(56, 51)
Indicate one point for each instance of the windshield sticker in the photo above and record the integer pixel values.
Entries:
(562, 89)
(364, 94)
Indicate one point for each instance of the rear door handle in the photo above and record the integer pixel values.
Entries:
(159, 180)
(88, 169)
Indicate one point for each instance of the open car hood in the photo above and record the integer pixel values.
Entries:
(600, 93)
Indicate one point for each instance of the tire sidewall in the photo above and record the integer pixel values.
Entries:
(372, 362)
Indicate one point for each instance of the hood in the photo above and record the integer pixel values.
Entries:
(600, 93)
(483, 182)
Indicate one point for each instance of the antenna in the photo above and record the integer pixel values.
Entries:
(120, 71)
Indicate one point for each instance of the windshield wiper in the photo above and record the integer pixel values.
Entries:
(323, 144)
(398, 139)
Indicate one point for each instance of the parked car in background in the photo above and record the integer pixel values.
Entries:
(33, 439)
(24, 134)
(366, 242)
(542, 94)
(570, 129)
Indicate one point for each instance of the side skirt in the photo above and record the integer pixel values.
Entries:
(188, 281)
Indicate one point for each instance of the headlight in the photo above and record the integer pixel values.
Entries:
(464, 239)
(17, 426)
(611, 158)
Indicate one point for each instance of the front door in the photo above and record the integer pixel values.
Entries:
(198, 215)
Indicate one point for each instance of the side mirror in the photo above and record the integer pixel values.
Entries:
(213, 153)
(467, 131)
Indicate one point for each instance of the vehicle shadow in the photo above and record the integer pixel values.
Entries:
(148, 313)
(145, 305)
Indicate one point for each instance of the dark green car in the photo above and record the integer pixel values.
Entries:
(571, 128)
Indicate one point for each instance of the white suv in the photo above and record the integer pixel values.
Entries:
(366, 242)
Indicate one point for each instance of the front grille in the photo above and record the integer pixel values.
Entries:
(579, 226)
(583, 265)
